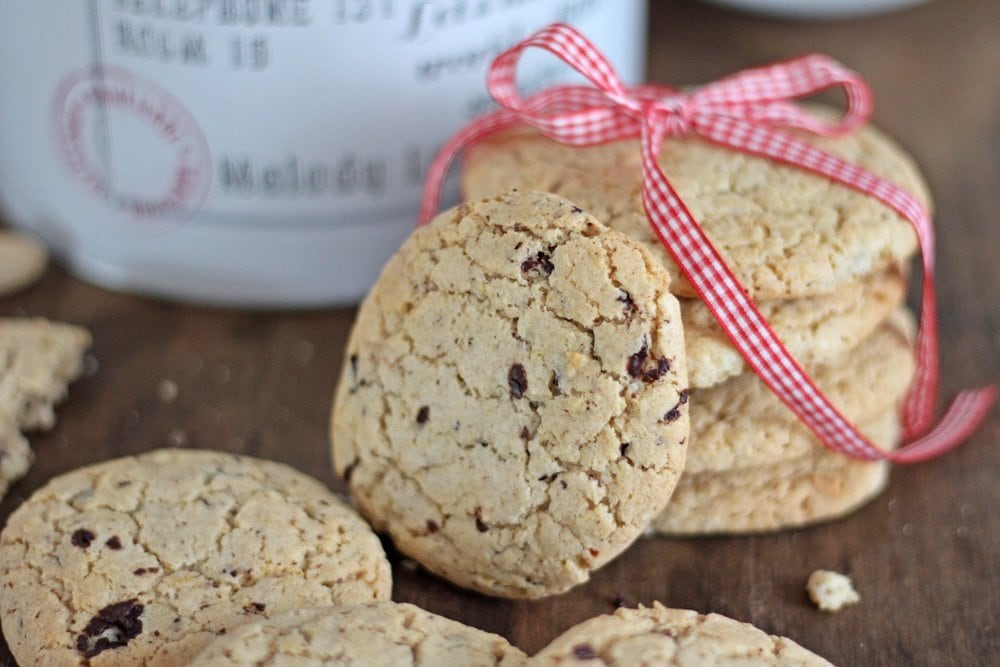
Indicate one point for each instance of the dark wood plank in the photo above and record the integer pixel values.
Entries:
(924, 555)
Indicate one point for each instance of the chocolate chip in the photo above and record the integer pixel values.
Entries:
(517, 380)
(145, 570)
(594, 552)
(635, 362)
(577, 209)
(432, 526)
(661, 368)
(675, 412)
(554, 388)
(113, 543)
(82, 538)
(423, 414)
(563, 484)
(111, 627)
(584, 652)
(637, 366)
(354, 365)
(254, 607)
(540, 265)
(480, 524)
(631, 310)
(525, 433)
(624, 447)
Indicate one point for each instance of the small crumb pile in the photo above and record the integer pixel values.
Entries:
(831, 591)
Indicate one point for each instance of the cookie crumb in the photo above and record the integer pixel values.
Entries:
(831, 591)
(167, 391)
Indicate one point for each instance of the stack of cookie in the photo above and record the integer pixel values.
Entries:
(826, 265)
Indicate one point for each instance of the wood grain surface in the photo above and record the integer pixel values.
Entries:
(925, 556)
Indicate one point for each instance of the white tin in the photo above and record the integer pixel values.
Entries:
(251, 152)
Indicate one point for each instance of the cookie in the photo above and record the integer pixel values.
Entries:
(382, 633)
(16, 456)
(146, 559)
(671, 638)
(817, 330)
(740, 423)
(785, 232)
(820, 486)
(22, 261)
(512, 408)
(38, 359)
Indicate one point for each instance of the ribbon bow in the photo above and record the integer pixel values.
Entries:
(741, 112)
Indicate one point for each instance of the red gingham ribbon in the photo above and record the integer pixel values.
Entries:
(740, 112)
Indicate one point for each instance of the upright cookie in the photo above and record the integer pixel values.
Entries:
(513, 406)
(146, 559)
(819, 486)
(671, 638)
(382, 634)
(817, 330)
(784, 231)
(38, 359)
(740, 423)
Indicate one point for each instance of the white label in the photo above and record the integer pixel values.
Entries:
(311, 112)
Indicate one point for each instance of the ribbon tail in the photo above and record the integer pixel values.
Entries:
(964, 415)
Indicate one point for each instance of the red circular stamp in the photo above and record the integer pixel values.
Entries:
(132, 143)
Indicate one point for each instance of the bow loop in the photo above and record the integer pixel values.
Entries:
(568, 45)
(765, 95)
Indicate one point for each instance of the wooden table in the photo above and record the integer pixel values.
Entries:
(925, 555)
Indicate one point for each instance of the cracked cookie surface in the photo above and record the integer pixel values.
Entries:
(785, 232)
(671, 638)
(382, 634)
(740, 423)
(144, 560)
(513, 406)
